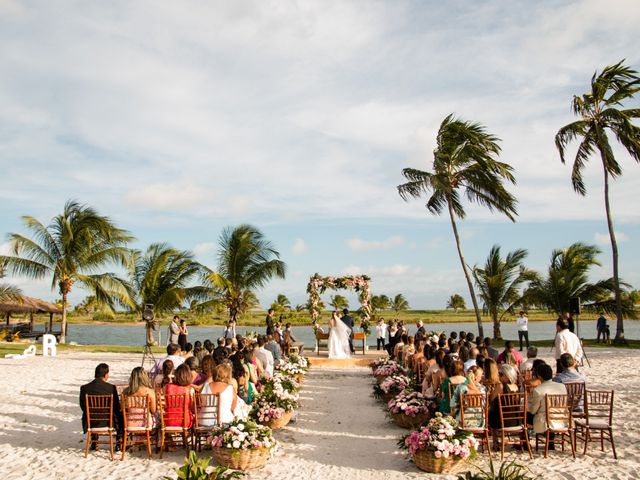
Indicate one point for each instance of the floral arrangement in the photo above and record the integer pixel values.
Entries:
(318, 284)
(291, 369)
(264, 411)
(380, 361)
(411, 403)
(392, 385)
(365, 326)
(280, 391)
(443, 436)
(299, 360)
(390, 368)
(244, 435)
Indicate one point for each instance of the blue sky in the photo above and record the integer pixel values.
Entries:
(180, 118)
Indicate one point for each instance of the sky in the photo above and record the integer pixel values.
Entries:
(179, 119)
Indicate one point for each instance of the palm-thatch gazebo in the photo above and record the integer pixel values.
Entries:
(31, 306)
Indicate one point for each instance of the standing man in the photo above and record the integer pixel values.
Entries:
(566, 342)
(348, 321)
(174, 330)
(421, 331)
(269, 321)
(100, 386)
(230, 331)
(523, 329)
(601, 326)
(381, 333)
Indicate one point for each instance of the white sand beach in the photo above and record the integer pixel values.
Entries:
(341, 431)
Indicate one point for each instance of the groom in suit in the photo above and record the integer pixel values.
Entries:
(348, 321)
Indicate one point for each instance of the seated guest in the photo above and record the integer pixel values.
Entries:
(230, 405)
(187, 351)
(167, 375)
(508, 384)
(181, 386)
(537, 408)
(291, 341)
(173, 354)
(265, 357)
(418, 356)
(455, 377)
(199, 351)
(509, 352)
(274, 348)
(100, 386)
(491, 374)
(408, 350)
(140, 385)
(471, 360)
(243, 386)
(532, 354)
(532, 379)
(491, 352)
(220, 350)
(197, 379)
(431, 367)
(473, 386)
(569, 372)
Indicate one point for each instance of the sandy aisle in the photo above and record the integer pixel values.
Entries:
(341, 431)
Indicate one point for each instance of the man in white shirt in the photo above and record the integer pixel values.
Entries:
(532, 354)
(523, 329)
(566, 342)
(381, 333)
(265, 356)
(173, 354)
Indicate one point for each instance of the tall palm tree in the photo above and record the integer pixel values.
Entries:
(465, 161)
(167, 278)
(500, 283)
(567, 277)
(379, 302)
(399, 303)
(338, 302)
(76, 244)
(281, 303)
(246, 261)
(600, 110)
(456, 301)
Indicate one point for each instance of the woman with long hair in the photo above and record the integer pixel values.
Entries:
(140, 385)
(181, 386)
(167, 375)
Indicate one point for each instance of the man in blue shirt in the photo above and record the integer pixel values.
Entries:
(603, 328)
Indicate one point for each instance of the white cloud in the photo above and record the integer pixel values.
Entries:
(5, 248)
(603, 238)
(299, 247)
(203, 249)
(168, 196)
(360, 245)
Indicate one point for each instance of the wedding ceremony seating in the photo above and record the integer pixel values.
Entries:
(598, 416)
(474, 417)
(99, 421)
(175, 421)
(558, 421)
(138, 422)
(513, 419)
(205, 418)
(575, 392)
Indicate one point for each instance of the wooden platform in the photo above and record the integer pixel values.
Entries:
(357, 360)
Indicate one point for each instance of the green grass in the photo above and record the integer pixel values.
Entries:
(11, 347)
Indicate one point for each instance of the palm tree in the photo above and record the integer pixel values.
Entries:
(164, 277)
(281, 303)
(300, 308)
(338, 302)
(76, 244)
(499, 283)
(567, 277)
(600, 110)
(465, 159)
(456, 302)
(9, 293)
(379, 302)
(399, 303)
(246, 261)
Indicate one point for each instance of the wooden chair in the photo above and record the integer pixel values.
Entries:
(174, 419)
(138, 423)
(99, 421)
(598, 415)
(558, 421)
(474, 417)
(513, 410)
(420, 371)
(205, 418)
(575, 393)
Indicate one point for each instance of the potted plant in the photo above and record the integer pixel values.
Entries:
(198, 469)
(411, 409)
(242, 445)
(440, 446)
(391, 387)
(275, 404)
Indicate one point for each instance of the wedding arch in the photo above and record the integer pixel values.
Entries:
(359, 283)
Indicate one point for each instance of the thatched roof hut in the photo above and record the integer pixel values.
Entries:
(31, 306)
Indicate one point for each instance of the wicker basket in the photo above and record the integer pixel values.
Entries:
(426, 460)
(386, 397)
(277, 423)
(299, 377)
(240, 459)
(407, 421)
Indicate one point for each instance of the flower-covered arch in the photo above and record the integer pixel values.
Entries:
(359, 283)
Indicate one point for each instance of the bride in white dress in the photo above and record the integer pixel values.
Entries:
(338, 342)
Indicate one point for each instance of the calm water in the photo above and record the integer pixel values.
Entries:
(135, 335)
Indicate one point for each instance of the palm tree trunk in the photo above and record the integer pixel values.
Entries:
(63, 333)
(497, 334)
(465, 270)
(619, 338)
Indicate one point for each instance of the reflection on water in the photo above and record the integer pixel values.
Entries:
(132, 335)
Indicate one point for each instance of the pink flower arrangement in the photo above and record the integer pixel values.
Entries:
(443, 436)
(411, 403)
(395, 384)
(391, 368)
(242, 434)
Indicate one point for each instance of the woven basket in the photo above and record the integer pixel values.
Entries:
(407, 421)
(277, 423)
(240, 459)
(299, 377)
(385, 397)
(426, 460)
